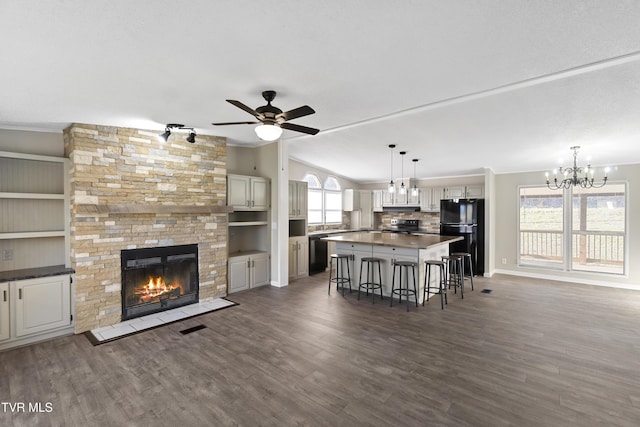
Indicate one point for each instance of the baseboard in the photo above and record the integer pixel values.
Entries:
(545, 276)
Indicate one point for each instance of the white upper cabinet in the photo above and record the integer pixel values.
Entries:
(247, 193)
(298, 191)
(474, 191)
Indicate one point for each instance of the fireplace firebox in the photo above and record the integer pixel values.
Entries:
(158, 279)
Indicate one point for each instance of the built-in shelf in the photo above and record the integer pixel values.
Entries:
(31, 235)
(247, 223)
(246, 253)
(34, 211)
(39, 196)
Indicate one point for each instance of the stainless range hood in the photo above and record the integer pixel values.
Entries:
(400, 208)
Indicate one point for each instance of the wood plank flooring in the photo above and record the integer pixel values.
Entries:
(530, 353)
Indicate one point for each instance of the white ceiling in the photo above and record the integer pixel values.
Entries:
(461, 85)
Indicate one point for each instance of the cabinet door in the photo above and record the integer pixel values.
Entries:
(42, 304)
(475, 191)
(456, 192)
(425, 199)
(238, 192)
(259, 194)
(366, 209)
(302, 190)
(377, 197)
(437, 194)
(293, 199)
(260, 270)
(302, 261)
(5, 332)
(293, 257)
(238, 274)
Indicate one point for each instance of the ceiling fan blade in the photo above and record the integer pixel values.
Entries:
(298, 128)
(305, 110)
(234, 123)
(245, 108)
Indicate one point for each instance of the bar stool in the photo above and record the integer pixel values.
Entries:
(339, 279)
(465, 256)
(404, 291)
(370, 284)
(441, 288)
(453, 273)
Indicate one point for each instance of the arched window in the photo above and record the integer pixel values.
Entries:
(332, 201)
(313, 181)
(314, 199)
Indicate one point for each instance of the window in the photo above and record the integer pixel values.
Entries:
(541, 227)
(332, 201)
(578, 229)
(598, 229)
(325, 202)
(314, 209)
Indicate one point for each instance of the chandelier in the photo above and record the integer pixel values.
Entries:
(572, 176)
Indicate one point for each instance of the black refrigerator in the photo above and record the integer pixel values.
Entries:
(465, 217)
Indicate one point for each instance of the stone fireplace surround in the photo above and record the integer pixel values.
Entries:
(128, 191)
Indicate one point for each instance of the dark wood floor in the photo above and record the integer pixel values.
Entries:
(530, 353)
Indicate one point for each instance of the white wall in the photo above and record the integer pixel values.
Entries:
(506, 226)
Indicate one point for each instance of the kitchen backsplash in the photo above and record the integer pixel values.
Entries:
(429, 221)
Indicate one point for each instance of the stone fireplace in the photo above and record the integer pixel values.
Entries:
(158, 279)
(130, 191)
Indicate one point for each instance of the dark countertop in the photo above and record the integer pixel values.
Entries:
(411, 241)
(33, 273)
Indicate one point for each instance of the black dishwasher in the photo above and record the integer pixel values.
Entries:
(317, 253)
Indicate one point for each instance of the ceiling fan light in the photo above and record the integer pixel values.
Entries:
(268, 132)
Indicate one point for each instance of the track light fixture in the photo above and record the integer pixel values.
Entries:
(163, 137)
(192, 136)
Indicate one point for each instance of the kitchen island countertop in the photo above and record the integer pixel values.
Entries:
(411, 241)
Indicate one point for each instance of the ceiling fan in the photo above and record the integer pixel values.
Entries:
(272, 119)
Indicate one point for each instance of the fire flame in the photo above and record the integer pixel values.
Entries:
(157, 287)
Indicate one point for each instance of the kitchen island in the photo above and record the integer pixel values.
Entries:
(390, 247)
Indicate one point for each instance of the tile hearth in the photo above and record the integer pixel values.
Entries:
(133, 326)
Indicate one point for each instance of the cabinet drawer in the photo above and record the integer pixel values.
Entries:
(391, 251)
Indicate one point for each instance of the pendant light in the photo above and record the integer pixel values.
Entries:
(403, 189)
(414, 189)
(392, 186)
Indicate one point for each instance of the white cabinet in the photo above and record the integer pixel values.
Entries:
(34, 211)
(247, 193)
(475, 191)
(248, 271)
(35, 309)
(366, 209)
(5, 332)
(298, 191)
(360, 204)
(350, 200)
(377, 200)
(430, 199)
(41, 304)
(298, 257)
(389, 254)
(457, 192)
